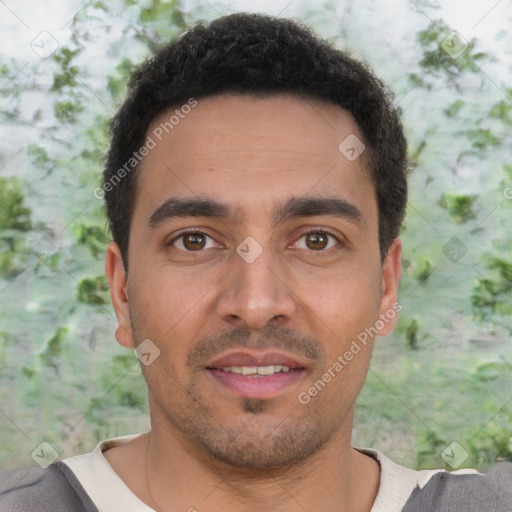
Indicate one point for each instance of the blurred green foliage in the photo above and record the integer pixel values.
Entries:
(459, 207)
(15, 220)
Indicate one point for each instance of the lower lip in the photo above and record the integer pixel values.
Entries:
(252, 386)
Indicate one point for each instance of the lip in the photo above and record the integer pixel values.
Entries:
(248, 358)
(256, 386)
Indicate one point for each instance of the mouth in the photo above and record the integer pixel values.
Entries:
(252, 375)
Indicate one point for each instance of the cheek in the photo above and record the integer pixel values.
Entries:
(170, 310)
(346, 301)
(169, 296)
(333, 393)
(347, 307)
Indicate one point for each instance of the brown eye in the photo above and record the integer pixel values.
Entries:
(318, 241)
(192, 241)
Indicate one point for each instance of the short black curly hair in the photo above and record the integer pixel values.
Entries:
(258, 55)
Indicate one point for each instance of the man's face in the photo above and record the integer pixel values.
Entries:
(255, 289)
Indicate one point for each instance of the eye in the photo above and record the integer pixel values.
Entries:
(195, 241)
(318, 240)
(191, 241)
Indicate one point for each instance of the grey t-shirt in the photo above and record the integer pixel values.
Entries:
(463, 493)
(87, 483)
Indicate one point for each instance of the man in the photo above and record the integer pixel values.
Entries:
(255, 187)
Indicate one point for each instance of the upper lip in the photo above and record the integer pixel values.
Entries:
(250, 358)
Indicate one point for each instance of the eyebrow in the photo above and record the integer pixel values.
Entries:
(293, 208)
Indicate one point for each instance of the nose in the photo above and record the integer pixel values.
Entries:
(256, 292)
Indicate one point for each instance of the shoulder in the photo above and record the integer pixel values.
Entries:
(452, 492)
(53, 489)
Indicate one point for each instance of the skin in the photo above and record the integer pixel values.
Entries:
(209, 448)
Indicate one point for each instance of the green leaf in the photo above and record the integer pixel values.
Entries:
(13, 212)
(66, 111)
(53, 350)
(92, 291)
(459, 206)
(452, 110)
(411, 335)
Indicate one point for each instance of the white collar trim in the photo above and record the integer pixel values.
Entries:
(110, 494)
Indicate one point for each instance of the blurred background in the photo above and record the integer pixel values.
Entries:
(439, 390)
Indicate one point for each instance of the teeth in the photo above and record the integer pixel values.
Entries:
(256, 370)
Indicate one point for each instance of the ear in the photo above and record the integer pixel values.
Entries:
(116, 277)
(391, 272)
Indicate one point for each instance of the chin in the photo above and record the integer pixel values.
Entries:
(257, 442)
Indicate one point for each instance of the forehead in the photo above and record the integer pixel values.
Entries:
(252, 151)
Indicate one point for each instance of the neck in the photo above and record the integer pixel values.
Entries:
(336, 478)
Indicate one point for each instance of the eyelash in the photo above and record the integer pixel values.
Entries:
(199, 232)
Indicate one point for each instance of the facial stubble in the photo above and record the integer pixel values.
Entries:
(261, 436)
